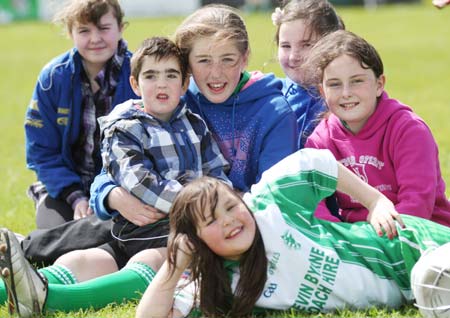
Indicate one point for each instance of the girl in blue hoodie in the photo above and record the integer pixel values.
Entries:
(245, 111)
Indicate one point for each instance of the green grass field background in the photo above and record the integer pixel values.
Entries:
(413, 41)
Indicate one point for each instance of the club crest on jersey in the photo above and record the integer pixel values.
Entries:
(290, 241)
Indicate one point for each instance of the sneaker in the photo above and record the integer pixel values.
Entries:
(26, 288)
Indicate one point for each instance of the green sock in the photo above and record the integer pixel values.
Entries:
(127, 284)
(58, 274)
(55, 274)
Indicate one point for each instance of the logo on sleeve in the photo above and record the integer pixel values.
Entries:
(268, 292)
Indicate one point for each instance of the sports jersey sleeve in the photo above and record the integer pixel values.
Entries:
(297, 183)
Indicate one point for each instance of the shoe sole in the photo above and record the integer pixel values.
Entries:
(5, 263)
(14, 305)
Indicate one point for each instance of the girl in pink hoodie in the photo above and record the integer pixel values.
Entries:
(378, 138)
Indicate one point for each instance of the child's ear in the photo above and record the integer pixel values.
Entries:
(321, 91)
(135, 86)
(381, 81)
(245, 64)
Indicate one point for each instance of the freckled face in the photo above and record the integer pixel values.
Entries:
(216, 68)
(232, 231)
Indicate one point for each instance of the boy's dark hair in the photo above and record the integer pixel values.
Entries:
(160, 48)
(88, 11)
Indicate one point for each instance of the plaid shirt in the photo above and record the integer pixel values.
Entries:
(153, 159)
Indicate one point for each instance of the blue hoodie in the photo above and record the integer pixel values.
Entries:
(254, 128)
(307, 105)
(54, 119)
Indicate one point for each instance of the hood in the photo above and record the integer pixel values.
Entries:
(133, 109)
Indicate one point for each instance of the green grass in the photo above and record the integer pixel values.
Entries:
(412, 40)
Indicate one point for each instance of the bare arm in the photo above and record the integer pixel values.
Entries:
(382, 213)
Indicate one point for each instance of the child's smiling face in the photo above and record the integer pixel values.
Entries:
(216, 67)
(228, 231)
(351, 91)
(97, 43)
(294, 43)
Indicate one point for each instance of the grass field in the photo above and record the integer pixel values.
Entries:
(413, 40)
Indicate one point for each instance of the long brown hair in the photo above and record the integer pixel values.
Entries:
(197, 199)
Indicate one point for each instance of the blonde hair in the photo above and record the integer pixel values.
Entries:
(87, 11)
(219, 22)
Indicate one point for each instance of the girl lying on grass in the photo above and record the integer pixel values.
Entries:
(267, 251)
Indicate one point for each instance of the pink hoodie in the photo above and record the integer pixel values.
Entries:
(395, 152)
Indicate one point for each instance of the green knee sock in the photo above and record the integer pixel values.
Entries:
(127, 284)
(55, 274)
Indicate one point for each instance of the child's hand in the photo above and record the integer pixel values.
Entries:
(132, 208)
(185, 250)
(82, 209)
(383, 216)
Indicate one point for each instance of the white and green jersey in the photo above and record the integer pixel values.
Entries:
(315, 265)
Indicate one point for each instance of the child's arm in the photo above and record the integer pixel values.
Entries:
(158, 299)
(382, 213)
(108, 199)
